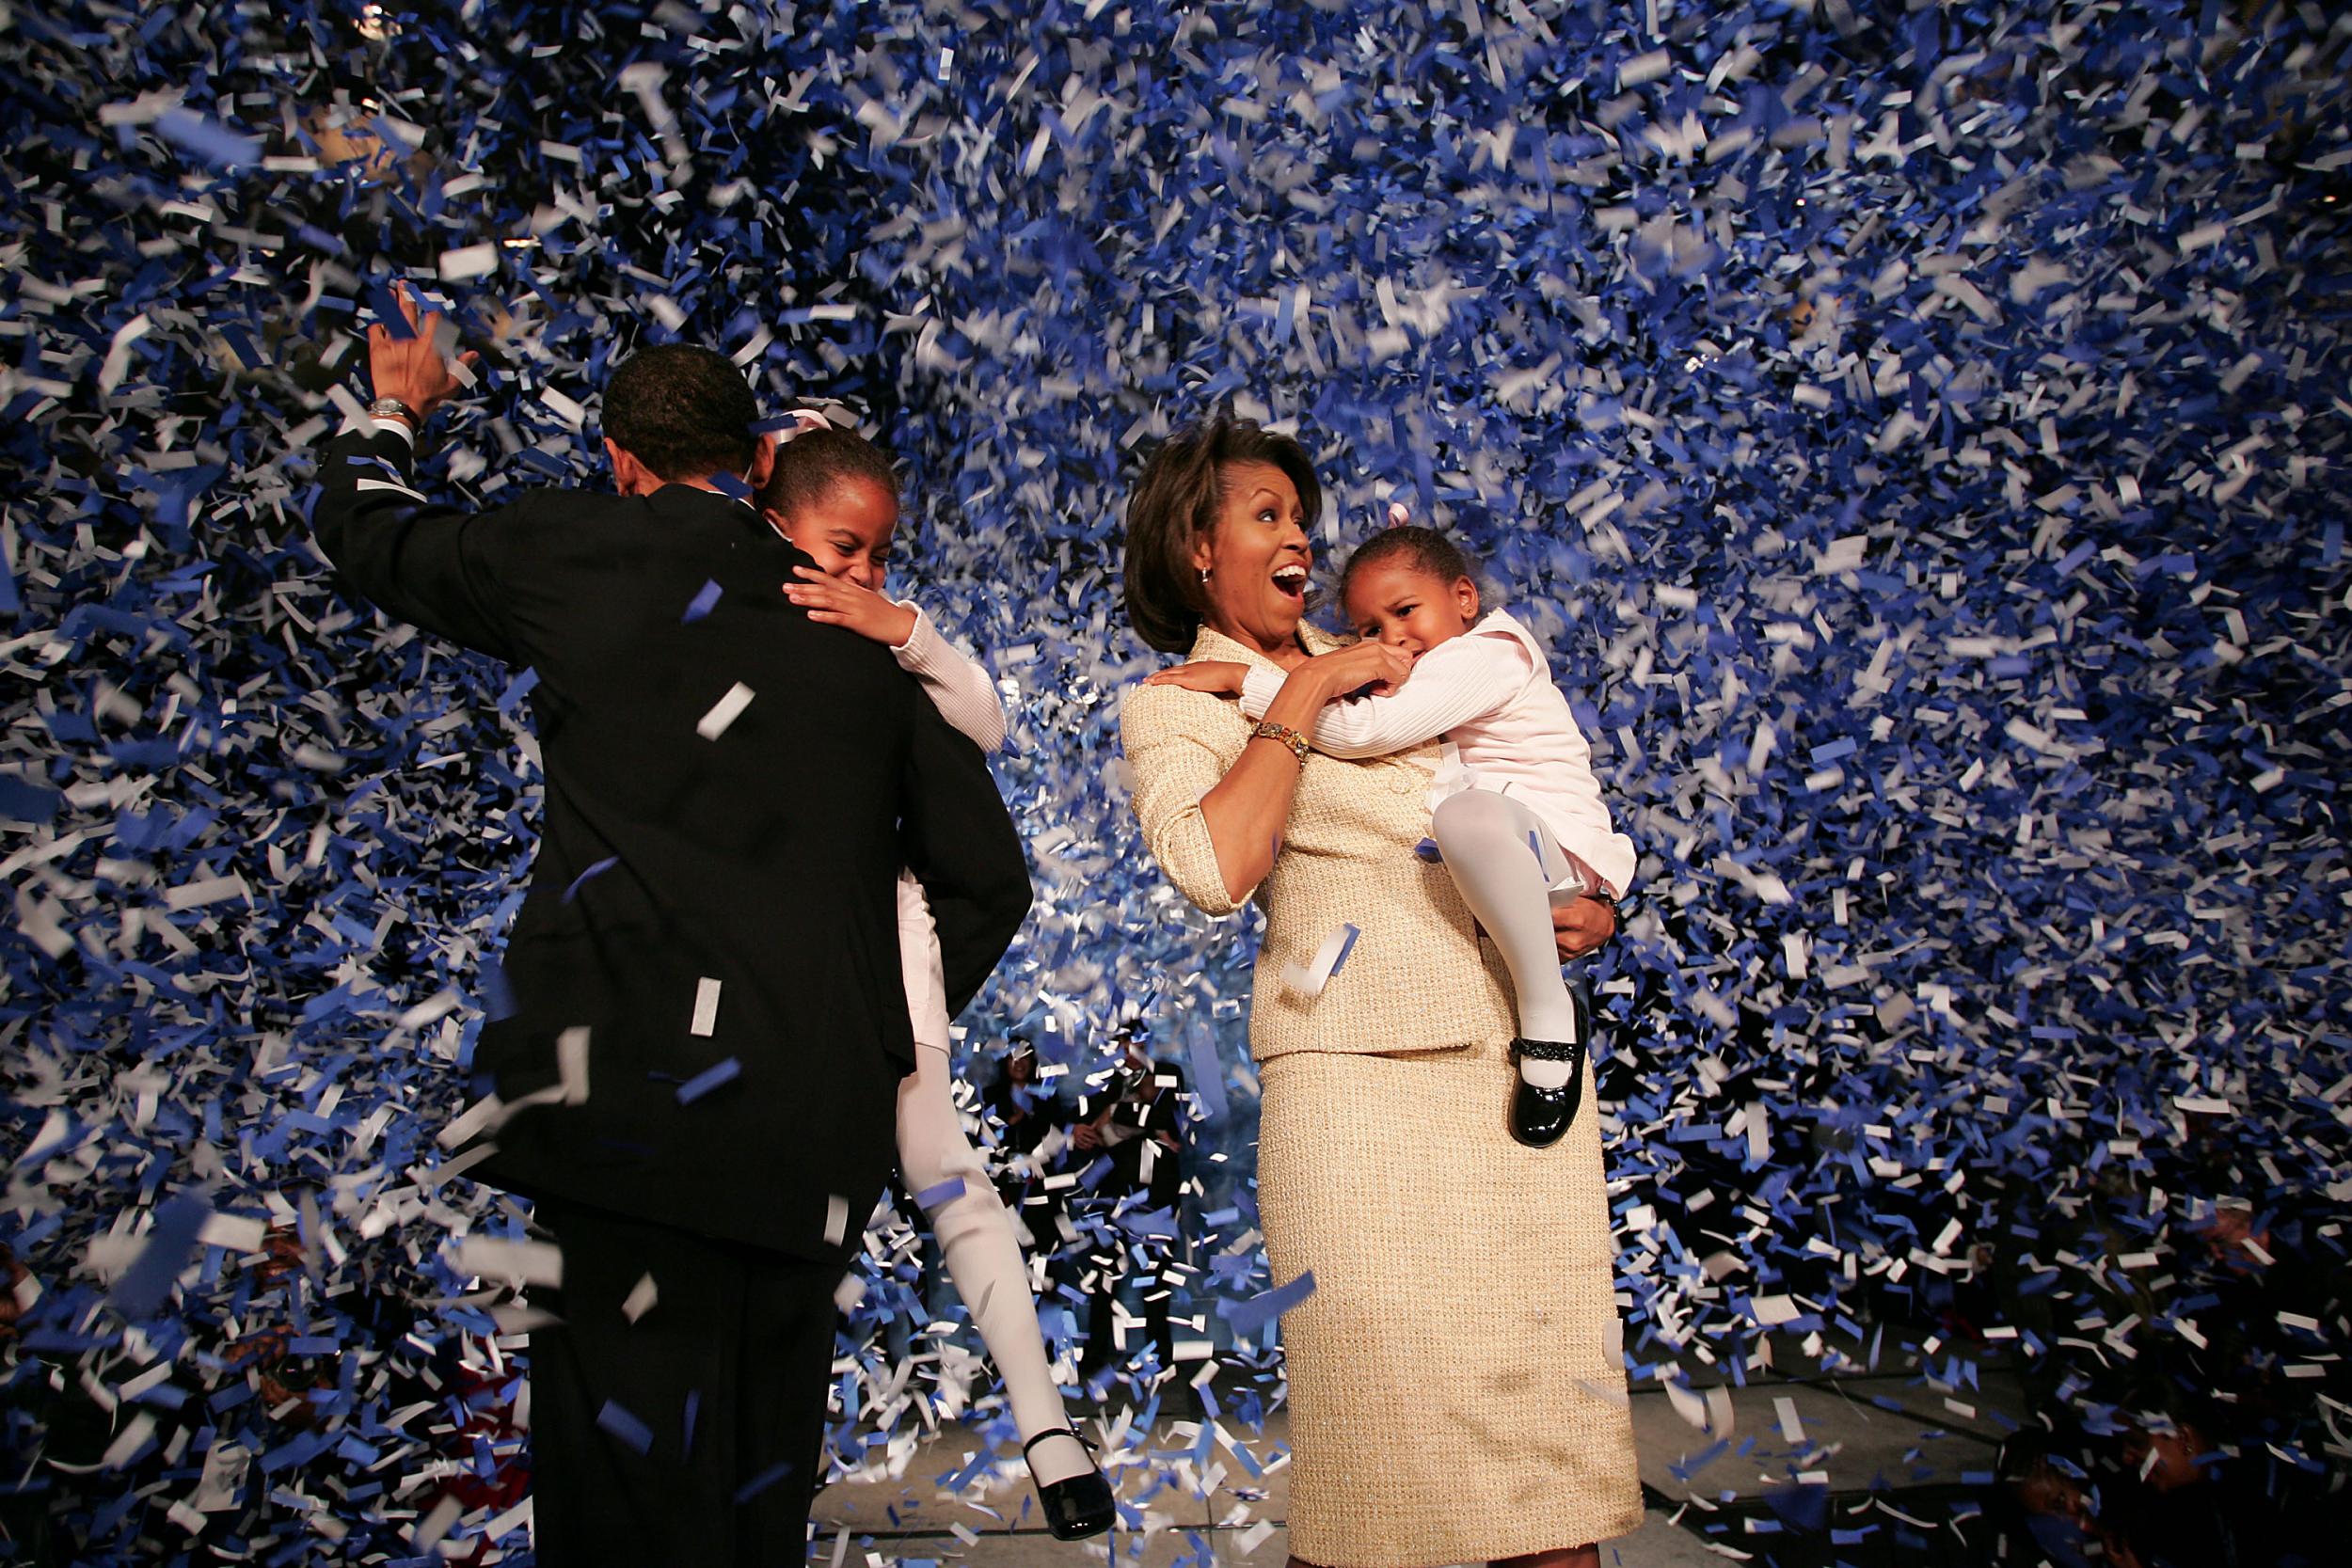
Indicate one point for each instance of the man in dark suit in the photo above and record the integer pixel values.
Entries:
(697, 1080)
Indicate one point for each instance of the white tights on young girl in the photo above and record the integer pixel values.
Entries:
(975, 1232)
(1506, 865)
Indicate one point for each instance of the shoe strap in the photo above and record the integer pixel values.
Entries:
(1548, 1051)
(1056, 1431)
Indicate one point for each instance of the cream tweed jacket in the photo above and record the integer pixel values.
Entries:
(1417, 979)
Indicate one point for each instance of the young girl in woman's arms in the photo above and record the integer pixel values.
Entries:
(1519, 819)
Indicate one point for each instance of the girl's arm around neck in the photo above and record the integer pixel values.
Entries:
(1454, 682)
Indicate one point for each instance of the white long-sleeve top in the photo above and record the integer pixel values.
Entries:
(961, 688)
(1488, 694)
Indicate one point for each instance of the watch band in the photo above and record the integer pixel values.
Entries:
(392, 408)
(1268, 730)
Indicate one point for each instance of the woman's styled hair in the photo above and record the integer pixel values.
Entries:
(682, 411)
(1175, 502)
(1426, 548)
(810, 463)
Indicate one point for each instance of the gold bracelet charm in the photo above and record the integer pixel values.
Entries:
(1268, 730)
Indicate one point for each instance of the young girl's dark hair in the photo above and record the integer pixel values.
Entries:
(1174, 502)
(813, 461)
(1428, 551)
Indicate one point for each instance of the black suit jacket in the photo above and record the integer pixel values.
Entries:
(764, 860)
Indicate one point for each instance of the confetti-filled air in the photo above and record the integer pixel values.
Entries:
(1915, 433)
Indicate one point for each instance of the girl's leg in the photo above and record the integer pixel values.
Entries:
(1484, 839)
(973, 1230)
(984, 1261)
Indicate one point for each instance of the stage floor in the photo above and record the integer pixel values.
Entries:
(1895, 1455)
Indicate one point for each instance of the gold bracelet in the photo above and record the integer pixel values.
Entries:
(1268, 730)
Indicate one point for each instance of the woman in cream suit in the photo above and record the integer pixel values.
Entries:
(1457, 1377)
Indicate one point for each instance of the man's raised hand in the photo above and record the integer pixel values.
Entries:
(412, 369)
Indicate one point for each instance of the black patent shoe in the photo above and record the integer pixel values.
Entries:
(1541, 1117)
(1079, 1507)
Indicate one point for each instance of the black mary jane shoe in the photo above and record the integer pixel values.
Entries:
(1541, 1117)
(1079, 1507)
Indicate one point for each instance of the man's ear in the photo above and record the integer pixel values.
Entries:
(630, 476)
(763, 462)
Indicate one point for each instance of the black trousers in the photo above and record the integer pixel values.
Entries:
(721, 1385)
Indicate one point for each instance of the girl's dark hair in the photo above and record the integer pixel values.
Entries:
(682, 411)
(1426, 547)
(813, 461)
(1174, 502)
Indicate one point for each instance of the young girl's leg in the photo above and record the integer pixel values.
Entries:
(984, 1261)
(1484, 839)
(975, 1232)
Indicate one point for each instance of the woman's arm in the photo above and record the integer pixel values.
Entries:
(1581, 925)
(1212, 828)
(1452, 684)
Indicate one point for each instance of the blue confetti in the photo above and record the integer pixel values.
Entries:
(708, 1079)
(1208, 1070)
(1249, 1316)
(208, 140)
(944, 1193)
(763, 1481)
(597, 869)
(140, 1290)
(624, 1428)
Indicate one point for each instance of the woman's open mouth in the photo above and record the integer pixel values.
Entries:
(1290, 580)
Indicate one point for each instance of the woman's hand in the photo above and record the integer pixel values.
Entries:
(1365, 666)
(1216, 676)
(838, 602)
(1581, 925)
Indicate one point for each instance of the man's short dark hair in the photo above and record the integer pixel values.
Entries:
(810, 463)
(682, 411)
(1174, 502)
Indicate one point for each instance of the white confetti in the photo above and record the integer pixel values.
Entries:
(470, 261)
(724, 712)
(705, 1022)
(571, 1062)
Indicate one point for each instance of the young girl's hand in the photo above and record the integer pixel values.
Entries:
(1369, 667)
(838, 602)
(1218, 677)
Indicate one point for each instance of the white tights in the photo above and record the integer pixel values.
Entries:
(1505, 864)
(973, 1230)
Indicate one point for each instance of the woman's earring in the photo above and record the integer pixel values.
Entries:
(1204, 576)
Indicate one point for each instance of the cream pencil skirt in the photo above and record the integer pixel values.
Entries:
(1456, 1378)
